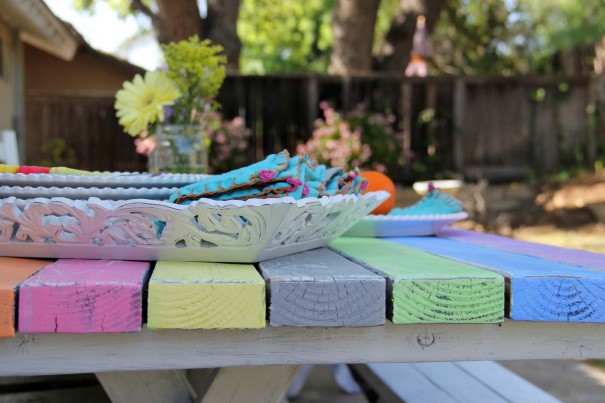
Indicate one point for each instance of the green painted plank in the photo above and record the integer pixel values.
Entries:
(429, 289)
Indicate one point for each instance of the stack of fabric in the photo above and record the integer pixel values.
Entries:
(279, 175)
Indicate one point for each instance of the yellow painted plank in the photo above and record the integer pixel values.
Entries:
(203, 295)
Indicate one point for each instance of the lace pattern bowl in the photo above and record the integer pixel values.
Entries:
(206, 230)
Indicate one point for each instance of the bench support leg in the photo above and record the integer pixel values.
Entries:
(147, 386)
(249, 384)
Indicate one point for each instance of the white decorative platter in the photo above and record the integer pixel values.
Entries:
(402, 225)
(113, 180)
(206, 230)
(84, 193)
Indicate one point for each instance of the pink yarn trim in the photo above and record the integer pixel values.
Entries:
(294, 184)
(266, 174)
(364, 185)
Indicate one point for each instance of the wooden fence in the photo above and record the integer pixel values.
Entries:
(80, 131)
(487, 126)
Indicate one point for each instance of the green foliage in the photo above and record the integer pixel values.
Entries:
(361, 139)
(386, 12)
(198, 70)
(56, 153)
(472, 36)
(482, 37)
(285, 36)
(567, 23)
(334, 143)
(512, 37)
(378, 133)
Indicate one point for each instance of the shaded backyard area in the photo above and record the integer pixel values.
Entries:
(568, 213)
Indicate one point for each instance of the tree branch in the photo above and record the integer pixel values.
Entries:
(139, 6)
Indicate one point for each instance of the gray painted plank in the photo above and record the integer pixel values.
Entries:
(511, 386)
(321, 288)
(457, 383)
(478, 381)
(399, 383)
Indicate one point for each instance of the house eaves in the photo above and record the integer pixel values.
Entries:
(39, 27)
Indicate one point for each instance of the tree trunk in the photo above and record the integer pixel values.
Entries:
(177, 20)
(353, 24)
(393, 54)
(221, 28)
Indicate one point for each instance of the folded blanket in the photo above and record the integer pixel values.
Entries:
(278, 175)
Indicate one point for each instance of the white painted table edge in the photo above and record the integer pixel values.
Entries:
(37, 354)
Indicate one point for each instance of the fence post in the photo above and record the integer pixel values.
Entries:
(458, 124)
(406, 118)
(596, 86)
(346, 94)
(312, 102)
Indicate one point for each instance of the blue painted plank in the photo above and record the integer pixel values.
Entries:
(539, 289)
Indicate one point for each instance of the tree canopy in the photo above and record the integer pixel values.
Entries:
(469, 36)
(285, 36)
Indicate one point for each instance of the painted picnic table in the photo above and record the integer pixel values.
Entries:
(139, 325)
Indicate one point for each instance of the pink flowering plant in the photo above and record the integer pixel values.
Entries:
(377, 131)
(362, 139)
(334, 142)
(229, 140)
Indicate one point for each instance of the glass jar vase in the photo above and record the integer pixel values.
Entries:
(179, 149)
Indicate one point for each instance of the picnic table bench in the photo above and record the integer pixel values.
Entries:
(195, 331)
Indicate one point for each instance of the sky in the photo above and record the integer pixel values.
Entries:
(105, 31)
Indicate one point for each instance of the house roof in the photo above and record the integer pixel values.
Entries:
(39, 27)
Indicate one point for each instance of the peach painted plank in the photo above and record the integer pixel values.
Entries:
(83, 296)
(12, 272)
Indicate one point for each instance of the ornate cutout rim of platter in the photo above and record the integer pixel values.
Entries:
(206, 230)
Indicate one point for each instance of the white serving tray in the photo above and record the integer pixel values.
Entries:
(206, 230)
(402, 225)
(112, 180)
(84, 193)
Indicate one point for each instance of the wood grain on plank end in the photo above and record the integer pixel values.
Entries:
(429, 289)
(450, 301)
(83, 296)
(540, 289)
(13, 271)
(201, 295)
(321, 288)
(558, 299)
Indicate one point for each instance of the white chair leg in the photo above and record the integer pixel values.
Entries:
(344, 379)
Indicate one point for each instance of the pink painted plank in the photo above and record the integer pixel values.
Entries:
(83, 296)
(554, 253)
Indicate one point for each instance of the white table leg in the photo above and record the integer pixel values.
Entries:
(147, 386)
(250, 384)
